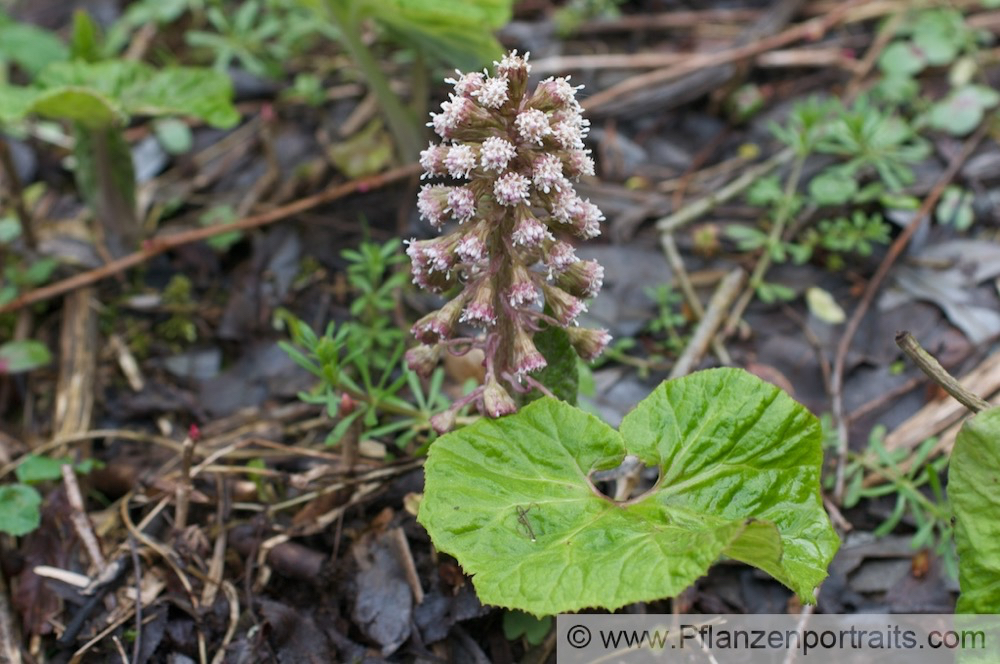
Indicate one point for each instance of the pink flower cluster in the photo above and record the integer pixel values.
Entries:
(510, 158)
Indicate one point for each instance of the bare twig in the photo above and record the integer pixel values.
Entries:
(933, 369)
(399, 542)
(78, 517)
(710, 323)
(895, 250)
(684, 281)
(696, 209)
(234, 616)
(137, 571)
(159, 245)
(812, 29)
(10, 636)
(184, 485)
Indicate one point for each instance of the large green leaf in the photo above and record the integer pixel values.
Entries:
(102, 93)
(974, 492)
(458, 33)
(739, 465)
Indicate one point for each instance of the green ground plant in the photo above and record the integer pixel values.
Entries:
(20, 502)
(930, 514)
(363, 358)
(97, 98)
(874, 150)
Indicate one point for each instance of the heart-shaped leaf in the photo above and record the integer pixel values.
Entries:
(739, 464)
(974, 492)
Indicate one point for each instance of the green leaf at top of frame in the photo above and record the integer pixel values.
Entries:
(739, 464)
(457, 33)
(100, 94)
(974, 492)
(29, 46)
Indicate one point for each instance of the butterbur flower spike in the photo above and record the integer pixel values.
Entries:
(506, 167)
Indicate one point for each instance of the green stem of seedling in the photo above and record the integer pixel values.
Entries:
(777, 230)
(408, 138)
(904, 483)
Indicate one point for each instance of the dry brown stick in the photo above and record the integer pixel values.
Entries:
(137, 570)
(233, 600)
(159, 245)
(184, 485)
(673, 19)
(217, 564)
(74, 407)
(933, 369)
(699, 207)
(78, 517)
(795, 57)
(10, 635)
(684, 280)
(895, 250)
(722, 298)
(813, 29)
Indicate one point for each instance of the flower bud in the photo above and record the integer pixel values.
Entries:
(423, 358)
(532, 125)
(461, 203)
(443, 422)
(547, 173)
(493, 93)
(515, 69)
(480, 310)
(559, 256)
(588, 343)
(466, 84)
(496, 153)
(528, 231)
(472, 248)
(582, 279)
(564, 306)
(511, 189)
(431, 203)
(460, 160)
(522, 287)
(497, 402)
(432, 160)
(526, 357)
(438, 325)
(554, 94)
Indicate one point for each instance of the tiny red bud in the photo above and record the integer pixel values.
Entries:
(347, 405)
